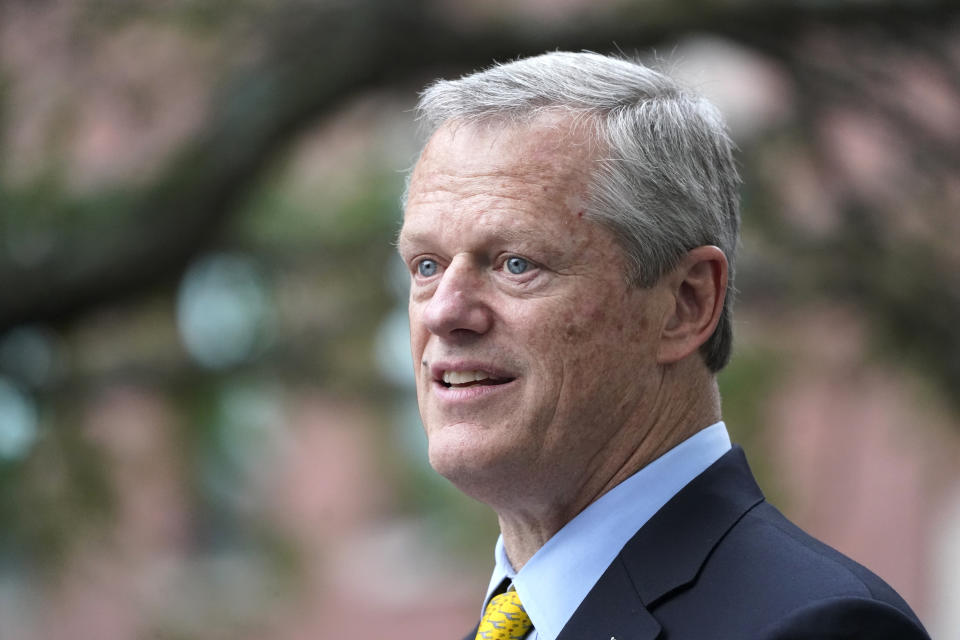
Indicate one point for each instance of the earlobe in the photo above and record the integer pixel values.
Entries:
(698, 286)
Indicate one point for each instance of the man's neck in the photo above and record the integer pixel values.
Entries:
(527, 529)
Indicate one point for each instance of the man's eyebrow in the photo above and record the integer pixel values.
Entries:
(404, 239)
(525, 240)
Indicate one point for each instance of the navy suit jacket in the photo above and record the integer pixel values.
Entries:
(719, 562)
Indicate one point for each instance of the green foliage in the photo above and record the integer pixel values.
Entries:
(55, 499)
(745, 386)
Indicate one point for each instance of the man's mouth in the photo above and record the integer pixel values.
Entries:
(462, 379)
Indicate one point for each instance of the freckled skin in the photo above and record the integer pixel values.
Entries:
(580, 341)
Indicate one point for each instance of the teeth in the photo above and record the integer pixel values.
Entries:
(463, 377)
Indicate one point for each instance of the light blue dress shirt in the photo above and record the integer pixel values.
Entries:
(558, 577)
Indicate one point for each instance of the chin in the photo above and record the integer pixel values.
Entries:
(475, 465)
(453, 449)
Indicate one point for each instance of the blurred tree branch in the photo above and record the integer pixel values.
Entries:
(886, 258)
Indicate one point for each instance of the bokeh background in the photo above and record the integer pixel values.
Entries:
(207, 426)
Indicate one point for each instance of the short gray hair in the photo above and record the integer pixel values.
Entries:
(666, 183)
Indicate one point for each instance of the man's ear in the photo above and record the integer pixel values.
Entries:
(698, 286)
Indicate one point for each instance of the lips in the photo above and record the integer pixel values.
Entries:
(460, 379)
(466, 375)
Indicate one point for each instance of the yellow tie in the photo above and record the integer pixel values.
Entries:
(504, 619)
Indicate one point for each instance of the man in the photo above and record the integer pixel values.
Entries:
(570, 230)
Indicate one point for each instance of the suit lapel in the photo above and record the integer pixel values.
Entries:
(611, 610)
(668, 551)
(666, 554)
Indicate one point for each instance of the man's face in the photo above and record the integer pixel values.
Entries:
(532, 352)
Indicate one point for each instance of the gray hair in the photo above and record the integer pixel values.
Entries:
(666, 182)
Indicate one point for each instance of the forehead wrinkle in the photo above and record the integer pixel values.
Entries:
(550, 146)
(508, 214)
(488, 231)
(532, 180)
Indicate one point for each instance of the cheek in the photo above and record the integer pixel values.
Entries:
(592, 340)
(594, 324)
(581, 324)
(417, 330)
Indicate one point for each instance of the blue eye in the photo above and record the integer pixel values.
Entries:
(517, 265)
(427, 267)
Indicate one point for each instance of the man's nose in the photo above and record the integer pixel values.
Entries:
(457, 307)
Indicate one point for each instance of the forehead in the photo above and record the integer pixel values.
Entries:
(551, 140)
(529, 171)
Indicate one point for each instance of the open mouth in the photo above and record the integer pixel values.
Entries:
(464, 379)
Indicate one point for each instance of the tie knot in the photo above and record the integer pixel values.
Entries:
(504, 619)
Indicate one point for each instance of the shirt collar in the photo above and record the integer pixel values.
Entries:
(558, 577)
